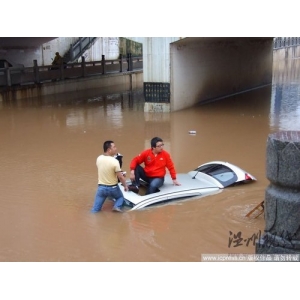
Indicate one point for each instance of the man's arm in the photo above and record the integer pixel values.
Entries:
(122, 180)
(137, 160)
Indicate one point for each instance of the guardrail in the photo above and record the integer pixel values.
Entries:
(41, 74)
(284, 42)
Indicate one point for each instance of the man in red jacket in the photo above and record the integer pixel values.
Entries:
(155, 160)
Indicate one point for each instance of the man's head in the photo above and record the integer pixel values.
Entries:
(157, 144)
(56, 53)
(110, 148)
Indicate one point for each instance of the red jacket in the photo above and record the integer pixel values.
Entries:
(155, 166)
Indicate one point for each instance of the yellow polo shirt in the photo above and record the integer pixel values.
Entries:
(107, 166)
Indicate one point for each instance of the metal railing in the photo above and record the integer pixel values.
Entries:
(42, 74)
(284, 42)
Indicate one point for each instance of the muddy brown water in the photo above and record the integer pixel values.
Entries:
(48, 174)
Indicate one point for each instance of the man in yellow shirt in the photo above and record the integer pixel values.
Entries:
(58, 60)
(109, 171)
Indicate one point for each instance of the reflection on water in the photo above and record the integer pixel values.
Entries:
(48, 174)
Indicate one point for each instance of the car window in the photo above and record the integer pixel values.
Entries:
(220, 172)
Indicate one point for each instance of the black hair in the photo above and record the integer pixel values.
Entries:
(107, 145)
(154, 141)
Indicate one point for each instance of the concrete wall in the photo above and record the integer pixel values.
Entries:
(43, 53)
(20, 56)
(204, 69)
(61, 45)
(23, 55)
(108, 46)
(156, 57)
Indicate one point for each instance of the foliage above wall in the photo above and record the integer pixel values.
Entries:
(128, 46)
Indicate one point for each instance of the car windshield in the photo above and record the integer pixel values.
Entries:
(220, 172)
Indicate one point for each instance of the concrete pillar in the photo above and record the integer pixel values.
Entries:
(156, 66)
(36, 71)
(103, 64)
(7, 73)
(282, 197)
(83, 67)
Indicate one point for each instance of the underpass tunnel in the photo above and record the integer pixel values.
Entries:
(206, 69)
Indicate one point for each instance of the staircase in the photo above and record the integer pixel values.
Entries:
(77, 49)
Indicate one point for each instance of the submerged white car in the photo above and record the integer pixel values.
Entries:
(207, 179)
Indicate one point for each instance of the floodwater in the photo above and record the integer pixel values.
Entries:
(48, 174)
